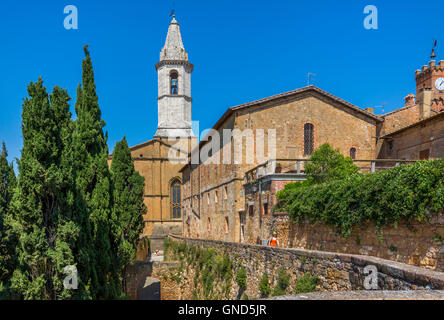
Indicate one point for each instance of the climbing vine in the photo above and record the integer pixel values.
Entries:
(405, 193)
(213, 271)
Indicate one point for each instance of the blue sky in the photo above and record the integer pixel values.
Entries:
(241, 51)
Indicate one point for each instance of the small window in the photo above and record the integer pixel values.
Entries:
(424, 154)
(353, 153)
(308, 139)
(265, 208)
(225, 193)
(208, 198)
(251, 210)
(174, 82)
(216, 198)
(390, 145)
(209, 224)
(227, 228)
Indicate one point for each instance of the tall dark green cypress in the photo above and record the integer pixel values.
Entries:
(128, 206)
(7, 240)
(94, 183)
(42, 204)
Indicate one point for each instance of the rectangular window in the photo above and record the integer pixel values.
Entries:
(265, 208)
(225, 193)
(251, 210)
(215, 197)
(308, 139)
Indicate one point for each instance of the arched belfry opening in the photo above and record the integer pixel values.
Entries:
(174, 82)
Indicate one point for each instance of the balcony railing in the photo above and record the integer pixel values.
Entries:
(296, 167)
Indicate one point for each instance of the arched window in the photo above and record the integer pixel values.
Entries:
(174, 82)
(175, 200)
(353, 153)
(308, 139)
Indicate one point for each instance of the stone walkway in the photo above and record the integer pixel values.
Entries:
(368, 295)
(156, 256)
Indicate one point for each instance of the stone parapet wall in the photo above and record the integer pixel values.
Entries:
(169, 287)
(423, 247)
(336, 271)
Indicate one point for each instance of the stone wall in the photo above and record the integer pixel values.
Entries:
(336, 271)
(423, 247)
(424, 140)
(142, 274)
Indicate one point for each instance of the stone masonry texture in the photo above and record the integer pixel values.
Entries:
(336, 271)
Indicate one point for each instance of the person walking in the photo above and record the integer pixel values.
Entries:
(273, 242)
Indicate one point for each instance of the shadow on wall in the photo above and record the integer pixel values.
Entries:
(149, 290)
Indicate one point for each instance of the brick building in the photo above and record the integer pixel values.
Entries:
(233, 201)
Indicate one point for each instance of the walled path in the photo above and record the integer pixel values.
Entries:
(368, 295)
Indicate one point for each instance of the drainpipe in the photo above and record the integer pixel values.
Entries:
(260, 207)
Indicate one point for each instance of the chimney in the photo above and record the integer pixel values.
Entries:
(425, 102)
(410, 100)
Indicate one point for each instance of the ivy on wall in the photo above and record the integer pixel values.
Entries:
(213, 271)
(405, 193)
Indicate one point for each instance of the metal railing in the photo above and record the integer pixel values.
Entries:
(296, 167)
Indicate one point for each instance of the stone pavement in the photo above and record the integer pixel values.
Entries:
(368, 295)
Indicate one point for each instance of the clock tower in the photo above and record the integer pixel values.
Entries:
(430, 89)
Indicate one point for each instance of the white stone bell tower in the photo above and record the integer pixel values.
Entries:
(174, 82)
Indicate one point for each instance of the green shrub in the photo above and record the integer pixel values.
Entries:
(306, 283)
(328, 164)
(244, 297)
(264, 285)
(282, 283)
(241, 277)
(405, 193)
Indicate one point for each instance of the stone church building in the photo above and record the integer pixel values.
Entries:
(217, 200)
(160, 159)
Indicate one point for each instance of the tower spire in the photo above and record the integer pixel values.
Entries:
(173, 48)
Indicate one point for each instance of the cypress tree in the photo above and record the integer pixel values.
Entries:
(7, 240)
(94, 183)
(43, 200)
(128, 206)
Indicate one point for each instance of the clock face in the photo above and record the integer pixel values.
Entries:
(439, 84)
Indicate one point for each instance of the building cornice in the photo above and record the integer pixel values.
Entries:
(187, 98)
(174, 63)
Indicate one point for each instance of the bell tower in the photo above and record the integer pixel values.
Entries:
(174, 87)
